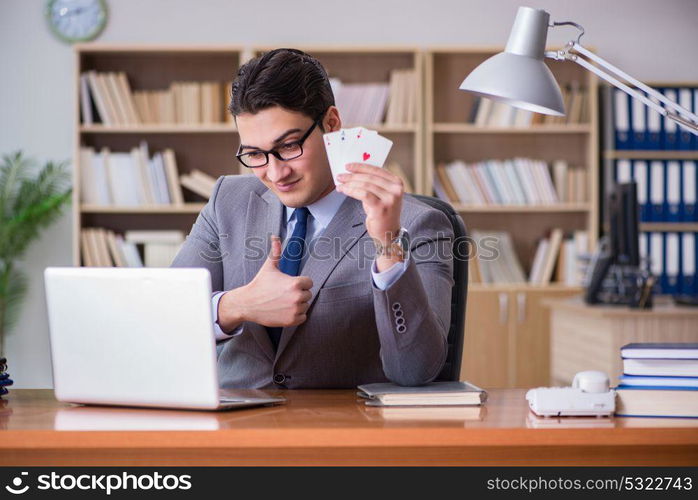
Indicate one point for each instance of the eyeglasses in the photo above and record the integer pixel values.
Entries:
(284, 152)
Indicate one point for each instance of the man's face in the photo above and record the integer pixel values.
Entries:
(297, 182)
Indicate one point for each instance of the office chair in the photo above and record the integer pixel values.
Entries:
(451, 370)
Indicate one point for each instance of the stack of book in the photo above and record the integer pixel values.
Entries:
(495, 260)
(402, 104)
(659, 380)
(488, 113)
(557, 258)
(198, 182)
(565, 255)
(360, 103)
(136, 178)
(107, 98)
(103, 248)
(391, 103)
(517, 181)
(5, 380)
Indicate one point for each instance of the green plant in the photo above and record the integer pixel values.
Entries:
(31, 197)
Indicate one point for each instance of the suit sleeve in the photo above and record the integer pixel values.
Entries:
(202, 246)
(413, 314)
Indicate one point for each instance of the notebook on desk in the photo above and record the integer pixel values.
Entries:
(432, 394)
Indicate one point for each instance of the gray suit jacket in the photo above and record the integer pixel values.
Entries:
(355, 333)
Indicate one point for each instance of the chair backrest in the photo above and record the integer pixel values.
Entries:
(451, 370)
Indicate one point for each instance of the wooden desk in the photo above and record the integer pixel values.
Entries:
(584, 337)
(331, 427)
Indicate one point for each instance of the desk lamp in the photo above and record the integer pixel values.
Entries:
(519, 77)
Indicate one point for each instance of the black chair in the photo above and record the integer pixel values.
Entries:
(451, 370)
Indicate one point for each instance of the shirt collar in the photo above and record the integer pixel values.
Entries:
(323, 210)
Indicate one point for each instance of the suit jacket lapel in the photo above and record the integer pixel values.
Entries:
(346, 227)
(264, 215)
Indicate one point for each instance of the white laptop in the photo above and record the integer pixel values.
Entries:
(137, 337)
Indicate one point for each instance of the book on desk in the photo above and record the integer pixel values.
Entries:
(432, 394)
(659, 380)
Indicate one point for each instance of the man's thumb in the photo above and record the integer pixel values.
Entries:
(274, 254)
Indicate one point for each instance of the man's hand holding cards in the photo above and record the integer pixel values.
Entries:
(356, 158)
(355, 145)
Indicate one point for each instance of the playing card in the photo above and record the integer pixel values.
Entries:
(372, 149)
(355, 145)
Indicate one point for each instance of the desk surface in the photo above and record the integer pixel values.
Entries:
(332, 427)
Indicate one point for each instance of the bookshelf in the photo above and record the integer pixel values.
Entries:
(507, 324)
(210, 147)
(449, 137)
(206, 146)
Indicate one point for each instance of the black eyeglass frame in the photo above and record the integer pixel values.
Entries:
(274, 151)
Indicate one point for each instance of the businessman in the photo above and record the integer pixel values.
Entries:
(316, 286)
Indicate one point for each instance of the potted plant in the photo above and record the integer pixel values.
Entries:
(31, 198)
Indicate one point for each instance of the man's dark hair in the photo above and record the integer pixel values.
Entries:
(288, 78)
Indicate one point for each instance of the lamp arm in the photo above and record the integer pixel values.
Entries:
(606, 71)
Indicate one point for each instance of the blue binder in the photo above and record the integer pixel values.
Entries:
(655, 130)
(657, 190)
(689, 254)
(621, 119)
(671, 136)
(673, 191)
(672, 263)
(689, 188)
(685, 141)
(638, 124)
(656, 254)
(641, 178)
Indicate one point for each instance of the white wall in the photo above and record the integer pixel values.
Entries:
(652, 40)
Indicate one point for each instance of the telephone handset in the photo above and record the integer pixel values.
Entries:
(589, 395)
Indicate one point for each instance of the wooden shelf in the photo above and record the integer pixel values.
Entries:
(461, 128)
(388, 129)
(187, 208)
(214, 128)
(160, 129)
(522, 287)
(558, 208)
(615, 154)
(669, 226)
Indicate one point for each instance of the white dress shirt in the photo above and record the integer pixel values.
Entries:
(321, 213)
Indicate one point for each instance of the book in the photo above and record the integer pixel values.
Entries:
(639, 380)
(661, 367)
(551, 256)
(632, 401)
(434, 393)
(660, 350)
(154, 236)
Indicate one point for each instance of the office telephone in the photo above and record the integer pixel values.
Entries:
(589, 395)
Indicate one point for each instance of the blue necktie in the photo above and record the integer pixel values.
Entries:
(290, 262)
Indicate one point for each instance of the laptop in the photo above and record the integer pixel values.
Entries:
(137, 337)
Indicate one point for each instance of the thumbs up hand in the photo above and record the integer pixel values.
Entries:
(272, 298)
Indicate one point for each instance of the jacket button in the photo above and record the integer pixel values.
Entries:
(396, 306)
(279, 378)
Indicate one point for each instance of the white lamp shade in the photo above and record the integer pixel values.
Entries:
(519, 81)
(518, 76)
